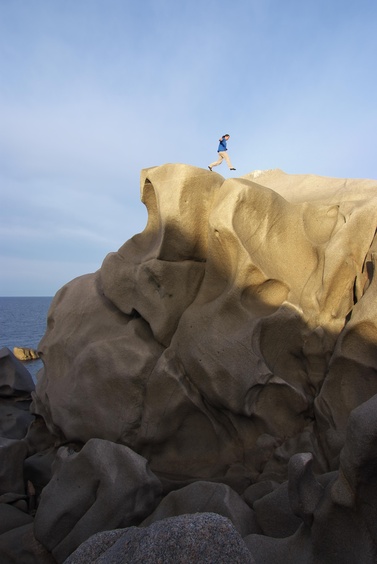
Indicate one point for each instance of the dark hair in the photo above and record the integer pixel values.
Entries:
(226, 135)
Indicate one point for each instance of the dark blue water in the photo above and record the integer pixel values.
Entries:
(23, 324)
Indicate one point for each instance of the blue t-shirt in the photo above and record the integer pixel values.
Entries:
(222, 145)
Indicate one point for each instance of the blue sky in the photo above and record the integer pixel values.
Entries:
(92, 91)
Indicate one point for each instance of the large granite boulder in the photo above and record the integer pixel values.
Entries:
(237, 329)
(225, 359)
(15, 379)
(20, 546)
(204, 497)
(103, 486)
(16, 386)
(201, 538)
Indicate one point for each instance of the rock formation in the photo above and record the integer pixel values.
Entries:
(24, 353)
(223, 361)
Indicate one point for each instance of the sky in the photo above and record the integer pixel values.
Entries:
(93, 91)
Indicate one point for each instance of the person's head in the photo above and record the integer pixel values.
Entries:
(226, 136)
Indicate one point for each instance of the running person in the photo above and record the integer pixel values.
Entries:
(223, 153)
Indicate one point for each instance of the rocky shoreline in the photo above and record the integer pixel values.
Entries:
(99, 502)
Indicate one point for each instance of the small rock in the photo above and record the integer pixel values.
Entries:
(15, 379)
(23, 353)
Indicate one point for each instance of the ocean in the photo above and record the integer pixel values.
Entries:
(23, 323)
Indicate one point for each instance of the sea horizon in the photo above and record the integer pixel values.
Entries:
(23, 322)
(28, 296)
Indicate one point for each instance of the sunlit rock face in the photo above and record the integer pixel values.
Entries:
(237, 329)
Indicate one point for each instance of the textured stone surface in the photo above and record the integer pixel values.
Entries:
(20, 546)
(15, 417)
(203, 497)
(203, 538)
(15, 379)
(12, 456)
(226, 336)
(274, 513)
(16, 386)
(104, 486)
(338, 510)
(11, 518)
(233, 341)
(258, 490)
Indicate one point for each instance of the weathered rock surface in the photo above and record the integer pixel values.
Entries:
(15, 379)
(230, 329)
(12, 456)
(202, 538)
(20, 546)
(103, 486)
(232, 347)
(204, 497)
(338, 512)
(16, 385)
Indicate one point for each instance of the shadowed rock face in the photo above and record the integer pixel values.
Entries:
(236, 330)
